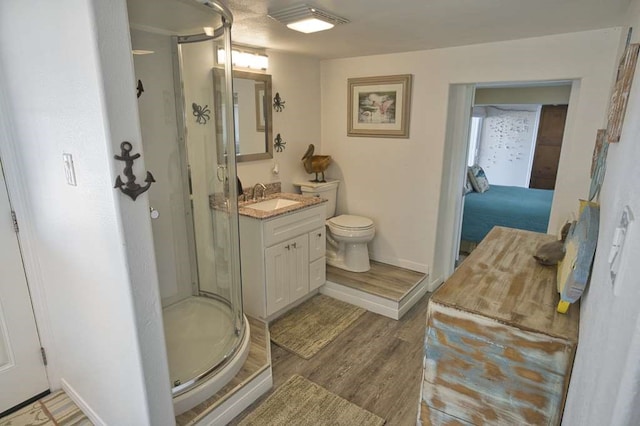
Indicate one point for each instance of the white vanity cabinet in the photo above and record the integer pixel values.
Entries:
(283, 259)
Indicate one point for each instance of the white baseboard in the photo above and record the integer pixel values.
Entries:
(233, 406)
(414, 295)
(82, 404)
(379, 305)
(401, 263)
(433, 285)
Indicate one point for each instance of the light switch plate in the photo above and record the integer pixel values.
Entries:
(69, 170)
(617, 245)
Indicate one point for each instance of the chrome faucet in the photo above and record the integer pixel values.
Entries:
(256, 187)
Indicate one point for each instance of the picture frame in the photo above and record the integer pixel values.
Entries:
(379, 106)
(620, 94)
(260, 90)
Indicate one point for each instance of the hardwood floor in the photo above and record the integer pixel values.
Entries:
(376, 364)
(390, 282)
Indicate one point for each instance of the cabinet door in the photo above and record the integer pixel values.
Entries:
(317, 244)
(277, 276)
(299, 267)
(317, 273)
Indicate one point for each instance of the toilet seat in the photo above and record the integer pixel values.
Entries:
(351, 222)
(351, 226)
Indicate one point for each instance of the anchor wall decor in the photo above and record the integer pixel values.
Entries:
(131, 188)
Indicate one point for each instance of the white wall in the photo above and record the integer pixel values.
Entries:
(396, 182)
(88, 251)
(297, 79)
(547, 95)
(605, 384)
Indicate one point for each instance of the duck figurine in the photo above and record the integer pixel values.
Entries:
(550, 254)
(315, 163)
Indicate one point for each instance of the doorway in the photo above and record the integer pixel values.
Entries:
(514, 146)
(462, 99)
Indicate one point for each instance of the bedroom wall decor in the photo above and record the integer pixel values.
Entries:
(379, 106)
(507, 138)
(620, 95)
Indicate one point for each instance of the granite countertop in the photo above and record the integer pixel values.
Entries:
(244, 207)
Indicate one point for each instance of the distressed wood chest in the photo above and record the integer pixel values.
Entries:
(496, 350)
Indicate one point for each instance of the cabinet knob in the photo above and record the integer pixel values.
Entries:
(287, 246)
(319, 234)
(295, 245)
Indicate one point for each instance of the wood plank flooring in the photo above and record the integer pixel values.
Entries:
(376, 364)
(390, 282)
(257, 361)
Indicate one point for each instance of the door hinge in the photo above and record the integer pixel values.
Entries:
(16, 228)
(44, 356)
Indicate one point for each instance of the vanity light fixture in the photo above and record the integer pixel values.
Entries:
(244, 59)
(306, 19)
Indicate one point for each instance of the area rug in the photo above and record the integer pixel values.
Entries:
(313, 325)
(52, 410)
(301, 402)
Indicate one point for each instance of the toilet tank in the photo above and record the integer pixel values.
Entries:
(327, 190)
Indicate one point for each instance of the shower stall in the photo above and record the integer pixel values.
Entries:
(186, 116)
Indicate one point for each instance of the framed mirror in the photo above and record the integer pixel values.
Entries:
(252, 114)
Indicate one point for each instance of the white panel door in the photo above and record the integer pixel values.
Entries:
(298, 249)
(22, 373)
(277, 277)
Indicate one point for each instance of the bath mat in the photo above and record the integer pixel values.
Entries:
(54, 409)
(313, 325)
(301, 402)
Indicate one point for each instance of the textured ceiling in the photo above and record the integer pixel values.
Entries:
(383, 26)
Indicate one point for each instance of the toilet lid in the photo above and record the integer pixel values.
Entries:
(348, 221)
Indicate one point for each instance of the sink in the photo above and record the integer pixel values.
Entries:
(272, 204)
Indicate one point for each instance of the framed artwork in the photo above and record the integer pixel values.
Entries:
(598, 164)
(379, 106)
(620, 95)
(259, 106)
(601, 139)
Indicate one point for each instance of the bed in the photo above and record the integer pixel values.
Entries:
(510, 206)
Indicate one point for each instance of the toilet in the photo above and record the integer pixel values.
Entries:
(347, 235)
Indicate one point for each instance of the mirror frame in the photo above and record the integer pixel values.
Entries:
(268, 119)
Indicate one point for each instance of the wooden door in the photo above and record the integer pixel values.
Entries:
(548, 145)
(22, 372)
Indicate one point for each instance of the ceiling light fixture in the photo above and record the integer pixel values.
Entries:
(244, 59)
(306, 19)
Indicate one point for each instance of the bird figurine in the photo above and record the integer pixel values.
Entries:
(550, 254)
(315, 163)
